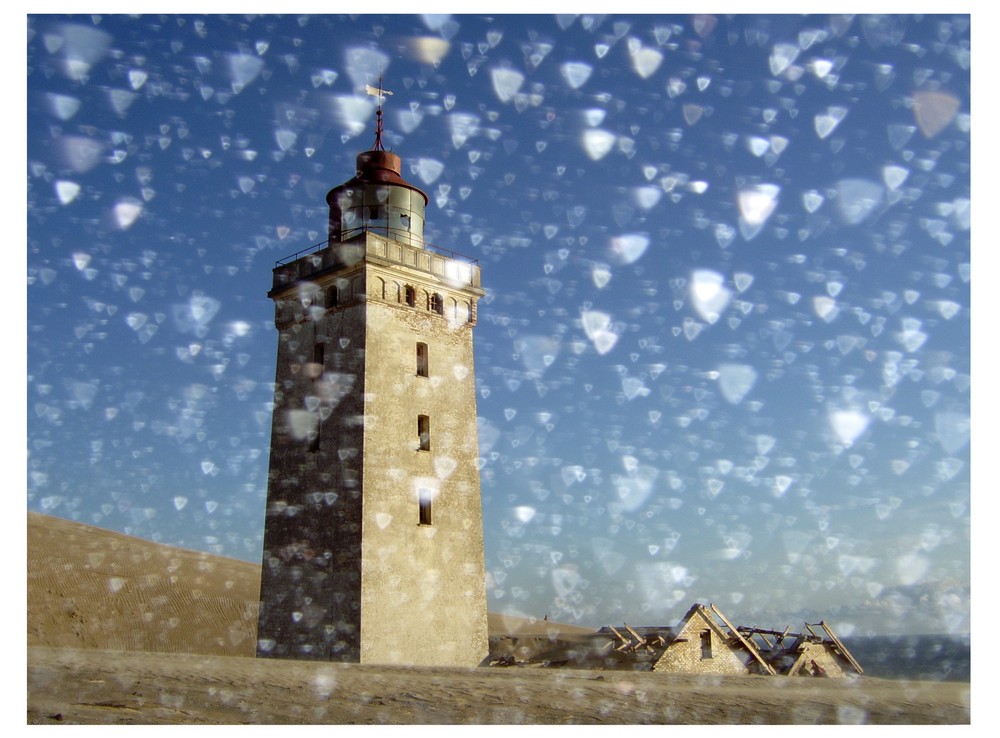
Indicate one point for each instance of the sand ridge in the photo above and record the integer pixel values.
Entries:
(92, 588)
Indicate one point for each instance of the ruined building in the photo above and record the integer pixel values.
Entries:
(373, 538)
(703, 642)
(706, 642)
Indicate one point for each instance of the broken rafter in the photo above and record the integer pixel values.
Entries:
(778, 633)
(745, 643)
(841, 647)
(639, 638)
(613, 630)
(622, 638)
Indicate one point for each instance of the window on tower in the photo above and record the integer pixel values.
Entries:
(422, 364)
(411, 296)
(378, 217)
(331, 297)
(424, 502)
(319, 351)
(424, 432)
(437, 304)
(314, 441)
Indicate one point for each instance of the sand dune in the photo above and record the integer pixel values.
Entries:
(92, 588)
(122, 630)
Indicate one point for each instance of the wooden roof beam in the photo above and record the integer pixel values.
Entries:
(746, 644)
(639, 638)
(841, 647)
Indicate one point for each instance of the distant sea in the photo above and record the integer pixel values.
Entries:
(940, 658)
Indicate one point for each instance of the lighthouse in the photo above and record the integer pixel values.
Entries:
(373, 532)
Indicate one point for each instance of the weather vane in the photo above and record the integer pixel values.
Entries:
(380, 94)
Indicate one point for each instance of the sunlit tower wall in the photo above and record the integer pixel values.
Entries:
(373, 534)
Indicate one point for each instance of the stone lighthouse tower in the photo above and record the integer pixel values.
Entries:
(373, 535)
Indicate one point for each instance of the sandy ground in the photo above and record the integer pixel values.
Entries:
(80, 686)
(127, 631)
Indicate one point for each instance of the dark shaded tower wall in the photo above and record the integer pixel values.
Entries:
(311, 567)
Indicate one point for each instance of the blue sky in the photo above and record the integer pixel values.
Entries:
(724, 353)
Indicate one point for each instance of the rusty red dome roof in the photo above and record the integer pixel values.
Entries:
(378, 168)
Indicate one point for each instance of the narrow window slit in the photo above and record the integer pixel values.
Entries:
(422, 368)
(424, 432)
(425, 506)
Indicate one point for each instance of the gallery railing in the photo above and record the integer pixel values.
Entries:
(447, 264)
